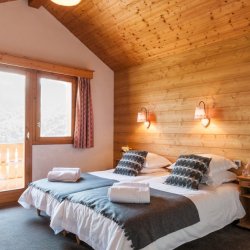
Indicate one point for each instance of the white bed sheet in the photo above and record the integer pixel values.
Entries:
(217, 208)
(32, 197)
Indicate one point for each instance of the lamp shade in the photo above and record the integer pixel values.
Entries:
(141, 117)
(66, 2)
(199, 113)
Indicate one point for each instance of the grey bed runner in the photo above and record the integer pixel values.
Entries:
(60, 190)
(143, 223)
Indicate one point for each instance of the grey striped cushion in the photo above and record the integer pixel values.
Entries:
(131, 163)
(188, 171)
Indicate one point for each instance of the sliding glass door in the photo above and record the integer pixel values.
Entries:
(14, 132)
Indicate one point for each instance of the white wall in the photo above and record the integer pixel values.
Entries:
(37, 34)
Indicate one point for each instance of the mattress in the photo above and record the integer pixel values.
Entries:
(33, 197)
(217, 207)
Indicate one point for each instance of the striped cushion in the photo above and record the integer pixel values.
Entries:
(188, 171)
(131, 163)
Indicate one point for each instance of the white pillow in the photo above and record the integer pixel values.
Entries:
(153, 170)
(218, 178)
(156, 161)
(171, 166)
(218, 163)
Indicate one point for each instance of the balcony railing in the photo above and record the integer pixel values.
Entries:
(11, 161)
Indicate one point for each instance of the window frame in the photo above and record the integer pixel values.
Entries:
(38, 140)
(11, 196)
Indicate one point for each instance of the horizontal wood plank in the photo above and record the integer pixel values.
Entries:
(194, 127)
(172, 152)
(195, 140)
(187, 115)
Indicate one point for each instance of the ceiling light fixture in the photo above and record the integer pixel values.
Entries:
(66, 2)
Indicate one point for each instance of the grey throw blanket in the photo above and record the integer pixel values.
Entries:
(143, 223)
(60, 190)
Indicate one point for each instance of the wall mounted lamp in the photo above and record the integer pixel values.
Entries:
(200, 113)
(142, 116)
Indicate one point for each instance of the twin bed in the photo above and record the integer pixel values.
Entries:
(46, 201)
(212, 205)
(175, 215)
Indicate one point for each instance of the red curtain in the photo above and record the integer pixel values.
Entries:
(84, 122)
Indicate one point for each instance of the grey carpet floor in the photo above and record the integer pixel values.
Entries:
(22, 229)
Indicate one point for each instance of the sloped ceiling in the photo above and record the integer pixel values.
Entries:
(124, 33)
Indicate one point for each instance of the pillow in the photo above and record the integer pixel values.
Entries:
(171, 166)
(219, 178)
(153, 170)
(219, 163)
(156, 161)
(131, 163)
(188, 171)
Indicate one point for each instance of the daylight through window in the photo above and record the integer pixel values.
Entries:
(55, 109)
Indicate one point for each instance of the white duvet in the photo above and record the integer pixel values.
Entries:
(217, 208)
(33, 197)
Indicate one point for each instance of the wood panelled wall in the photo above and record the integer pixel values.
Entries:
(170, 88)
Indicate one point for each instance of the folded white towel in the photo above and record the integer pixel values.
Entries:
(66, 176)
(125, 194)
(131, 184)
(78, 170)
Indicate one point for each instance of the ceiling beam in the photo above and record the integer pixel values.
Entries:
(35, 3)
(4, 1)
(28, 63)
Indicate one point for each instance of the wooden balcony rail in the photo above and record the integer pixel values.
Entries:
(11, 161)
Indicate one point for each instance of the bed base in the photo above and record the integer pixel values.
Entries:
(78, 241)
(64, 232)
(38, 212)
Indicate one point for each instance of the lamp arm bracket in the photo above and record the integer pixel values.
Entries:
(201, 102)
(146, 111)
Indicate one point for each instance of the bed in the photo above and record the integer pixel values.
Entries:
(47, 203)
(211, 203)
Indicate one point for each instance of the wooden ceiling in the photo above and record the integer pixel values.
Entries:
(124, 33)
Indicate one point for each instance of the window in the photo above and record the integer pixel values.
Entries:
(50, 98)
(13, 115)
(55, 109)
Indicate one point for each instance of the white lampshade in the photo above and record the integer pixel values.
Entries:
(199, 113)
(66, 2)
(141, 117)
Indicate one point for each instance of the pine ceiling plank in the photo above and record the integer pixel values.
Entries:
(200, 30)
(132, 32)
(158, 11)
